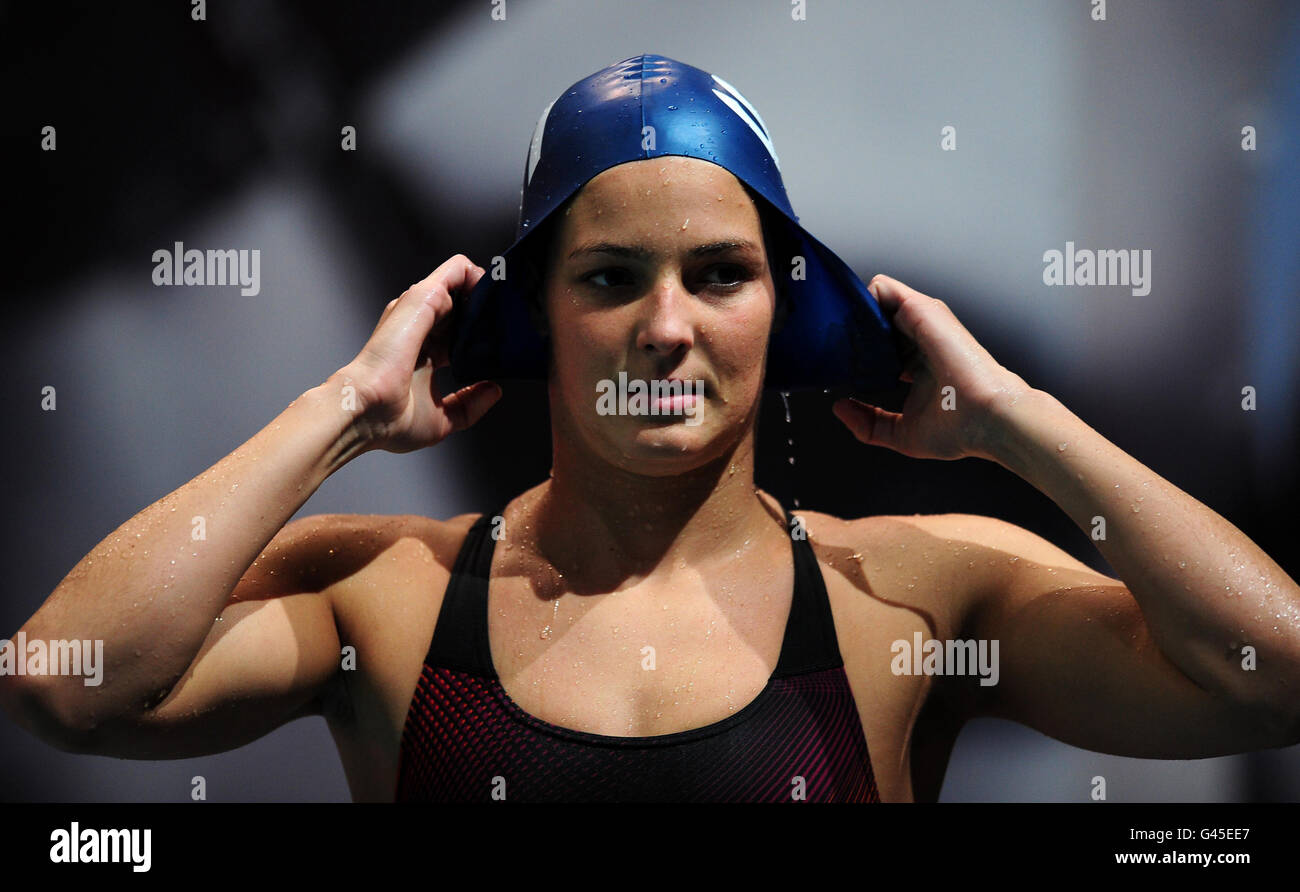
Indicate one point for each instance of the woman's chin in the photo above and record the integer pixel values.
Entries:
(670, 447)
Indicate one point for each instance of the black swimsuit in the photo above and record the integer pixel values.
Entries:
(466, 740)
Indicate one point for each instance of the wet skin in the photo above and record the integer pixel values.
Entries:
(651, 532)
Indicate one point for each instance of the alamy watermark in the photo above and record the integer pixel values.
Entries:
(241, 267)
(1084, 266)
(950, 657)
(656, 397)
(57, 657)
(78, 845)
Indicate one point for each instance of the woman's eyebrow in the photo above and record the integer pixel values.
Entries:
(742, 244)
(633, 251)
(639, 253)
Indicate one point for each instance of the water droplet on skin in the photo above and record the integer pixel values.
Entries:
(1061, 447)
(1136, 508)
(1182, 565)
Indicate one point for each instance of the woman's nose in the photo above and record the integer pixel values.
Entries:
(666, 327)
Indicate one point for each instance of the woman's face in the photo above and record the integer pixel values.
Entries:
(657, 269)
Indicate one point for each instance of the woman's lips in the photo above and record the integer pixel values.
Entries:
(675, 405)
(654, 397)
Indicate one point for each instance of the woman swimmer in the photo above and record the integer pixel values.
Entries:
(646, 624)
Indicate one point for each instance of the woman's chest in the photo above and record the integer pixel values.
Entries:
(645, 661)
(656, 658)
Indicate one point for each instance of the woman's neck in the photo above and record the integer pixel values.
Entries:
(601, 525)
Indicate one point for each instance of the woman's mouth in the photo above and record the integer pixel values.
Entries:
(675, 404)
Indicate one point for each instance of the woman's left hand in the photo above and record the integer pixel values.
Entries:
(936, 422)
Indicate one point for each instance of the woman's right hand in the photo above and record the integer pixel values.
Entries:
(398, 407)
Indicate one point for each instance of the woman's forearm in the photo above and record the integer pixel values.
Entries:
(1205, 589)
(152, 588)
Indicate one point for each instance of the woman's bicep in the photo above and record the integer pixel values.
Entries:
(263, 664)
(268, 656)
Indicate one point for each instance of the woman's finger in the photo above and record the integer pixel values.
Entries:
(436, 343)
(929, 324)
(913, 362)
(870, 424)
(892, 296)
(883, 287)
(422, 305)
(469, 404)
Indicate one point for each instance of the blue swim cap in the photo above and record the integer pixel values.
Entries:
(648, 106)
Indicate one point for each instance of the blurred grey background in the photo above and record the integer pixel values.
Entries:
(225, 133)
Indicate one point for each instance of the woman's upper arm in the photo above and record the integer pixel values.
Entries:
(1077, 660)
(273, 654)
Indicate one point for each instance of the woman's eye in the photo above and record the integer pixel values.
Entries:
(722, 275)
(727, 274)
(611, 277)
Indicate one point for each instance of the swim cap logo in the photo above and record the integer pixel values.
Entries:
(733, 100)
(535, 146)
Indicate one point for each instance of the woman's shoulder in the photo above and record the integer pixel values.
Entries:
(934, 539)
(975, 528)
(347, 543)
(834, 529)
(958, 551)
